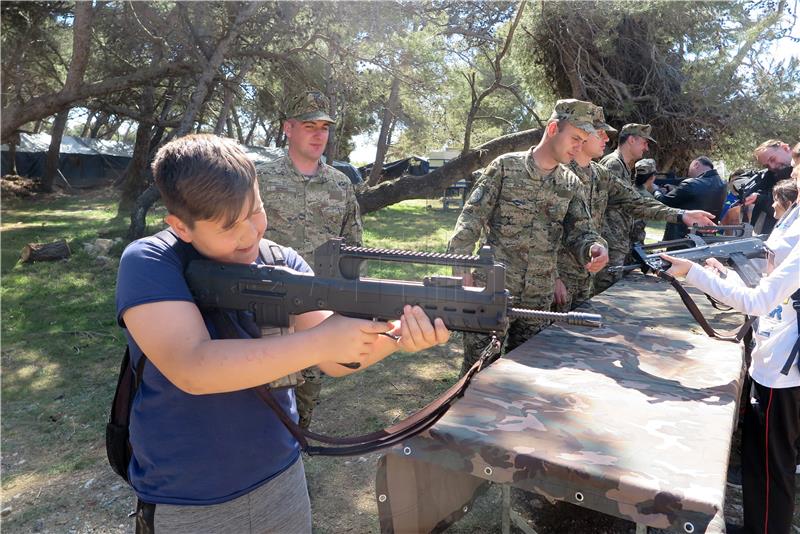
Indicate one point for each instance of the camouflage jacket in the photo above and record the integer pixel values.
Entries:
(604, 191)
(524, 216)
(616, 223)
(304, 212)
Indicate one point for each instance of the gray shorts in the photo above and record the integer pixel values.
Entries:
(281, 505)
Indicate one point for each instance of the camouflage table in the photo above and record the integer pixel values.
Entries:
(633, 420)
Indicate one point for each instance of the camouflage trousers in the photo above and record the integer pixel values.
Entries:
(616, 257)
(579, 290)
(519, 331)
(307, 394)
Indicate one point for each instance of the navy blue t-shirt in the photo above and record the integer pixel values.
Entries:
(195, 449)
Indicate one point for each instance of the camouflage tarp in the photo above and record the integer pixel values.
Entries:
(633, 419)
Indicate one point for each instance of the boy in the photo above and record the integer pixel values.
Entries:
(208, 454)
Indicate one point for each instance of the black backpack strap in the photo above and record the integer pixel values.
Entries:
(271, 253)
(795, 351)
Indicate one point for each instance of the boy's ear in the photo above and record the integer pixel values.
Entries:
(181, 228)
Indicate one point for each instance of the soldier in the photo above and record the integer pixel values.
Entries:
(524, 205)
(603, 191)
(645, 175)
(617, 226)
(308, 202)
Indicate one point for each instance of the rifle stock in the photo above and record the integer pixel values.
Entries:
(274, 292)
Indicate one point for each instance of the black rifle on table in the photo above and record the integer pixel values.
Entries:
(274, 292)
(737, 251)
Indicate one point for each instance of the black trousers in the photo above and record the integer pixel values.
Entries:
(769, 456)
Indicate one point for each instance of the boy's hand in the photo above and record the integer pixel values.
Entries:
(417, 332)
(679, 266)
(350, 338)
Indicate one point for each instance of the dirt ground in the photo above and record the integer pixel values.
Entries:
(94, 500)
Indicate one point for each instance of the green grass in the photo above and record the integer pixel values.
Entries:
(61, 344)
(411, 225)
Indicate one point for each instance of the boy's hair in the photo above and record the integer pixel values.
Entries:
(766, 145)
(785, 191)
(204, 177)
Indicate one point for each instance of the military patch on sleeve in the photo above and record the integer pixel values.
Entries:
(477, 195)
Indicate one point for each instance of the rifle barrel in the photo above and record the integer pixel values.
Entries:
(574, 318)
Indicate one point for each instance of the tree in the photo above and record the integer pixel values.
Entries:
(684, 67)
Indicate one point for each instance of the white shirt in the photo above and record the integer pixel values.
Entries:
(775, 331)
(786, 233)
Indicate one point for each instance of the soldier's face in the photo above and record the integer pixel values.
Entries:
(568, 143)
(595, 144)
(639, 145)
(307, 139)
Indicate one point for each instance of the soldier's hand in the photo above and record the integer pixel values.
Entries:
(698, 217)
(599, 258)
(468, 280)
(560, 293)
(679, 266)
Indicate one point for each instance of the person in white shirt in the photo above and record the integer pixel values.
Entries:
(772, 418)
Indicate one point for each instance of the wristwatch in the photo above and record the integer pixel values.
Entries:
(679, 216)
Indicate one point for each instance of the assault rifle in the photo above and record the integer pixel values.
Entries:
(274, 292)
(737, 251)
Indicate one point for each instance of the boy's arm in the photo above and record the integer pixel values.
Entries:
(174, 337)
(415, 331)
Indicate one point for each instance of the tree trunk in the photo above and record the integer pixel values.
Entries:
(434, 183)
(13, 141)
(238, 125)
(248, 140)
(383, 137)
(88, 123)
(45, 251)
(137, 173)
(139, 213)
(51, 162)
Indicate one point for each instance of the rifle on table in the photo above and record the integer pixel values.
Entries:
(670, 179)
(737, 251)
(274, 292)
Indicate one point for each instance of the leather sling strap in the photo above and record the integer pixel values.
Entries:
(731, 335)
(794, 353)
(405, 429)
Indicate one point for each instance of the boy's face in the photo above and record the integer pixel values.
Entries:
(235, 244)
(307, 139)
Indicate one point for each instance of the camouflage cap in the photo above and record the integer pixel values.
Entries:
(576, 112)
(311, 106)
(599, 120)
(646, 166)
(641, 130)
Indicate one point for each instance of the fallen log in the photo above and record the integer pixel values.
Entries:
(57, 250)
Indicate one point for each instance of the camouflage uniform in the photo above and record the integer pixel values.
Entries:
(523, 215)
(618, 225)
(303, 212)
(604, 192)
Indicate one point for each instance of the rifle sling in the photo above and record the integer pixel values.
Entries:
(725, 335)
(405, 429)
